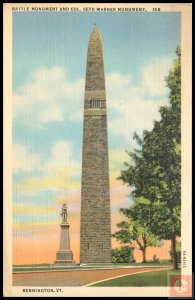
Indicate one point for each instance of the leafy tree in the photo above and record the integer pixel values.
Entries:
(155, 167)
(178, 252)
(135, 230)
(122, 255)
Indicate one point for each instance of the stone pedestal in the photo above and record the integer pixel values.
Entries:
(64, 256)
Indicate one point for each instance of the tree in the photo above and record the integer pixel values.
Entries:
(178, 252)
(135, 230)
(122, 255)
(155, 167)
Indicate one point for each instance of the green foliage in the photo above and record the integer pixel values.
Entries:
(178, 253)
(123, 255)
(155, 259)
(155, 168)
(135, 230)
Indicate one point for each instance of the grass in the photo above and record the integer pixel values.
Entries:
(148, 263)
(47, 267)
(34, 265)
(154, 278)
(40, 268)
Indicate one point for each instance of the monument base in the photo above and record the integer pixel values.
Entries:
(64, 258)
(63, 263)
(64, 255)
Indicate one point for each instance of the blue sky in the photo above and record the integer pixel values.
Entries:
(49, 64)
(46, 40)
(49, 39)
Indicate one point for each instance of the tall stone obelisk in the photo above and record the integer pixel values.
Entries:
(95, 245)
(64, 256)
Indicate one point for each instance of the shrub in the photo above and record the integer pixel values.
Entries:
(123, 255)
(155, 259)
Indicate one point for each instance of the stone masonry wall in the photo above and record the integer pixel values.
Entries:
(95, 195)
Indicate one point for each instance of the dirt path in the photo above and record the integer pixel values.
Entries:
(73, 277)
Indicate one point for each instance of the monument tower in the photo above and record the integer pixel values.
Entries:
(95, 246)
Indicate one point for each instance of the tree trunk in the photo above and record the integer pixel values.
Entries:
(144, 254)
(174, 255)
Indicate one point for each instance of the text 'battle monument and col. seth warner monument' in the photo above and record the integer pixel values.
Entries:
(95, 226)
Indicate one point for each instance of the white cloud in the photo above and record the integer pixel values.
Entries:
(24, 160)
(50, 96)
(61, 157)
(134, 115)
(153, 77)
(54, 115)
(60, 160)
(78, 115)
(134, 107)
(118, 83)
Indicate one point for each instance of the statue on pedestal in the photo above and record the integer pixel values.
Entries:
(64, 213)
(64, 256)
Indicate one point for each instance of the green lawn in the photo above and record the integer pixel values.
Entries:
(46, 267)
(34, 265)
(40, 268)
(156, 278)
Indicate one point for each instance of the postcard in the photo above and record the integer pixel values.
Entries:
(97, 150)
